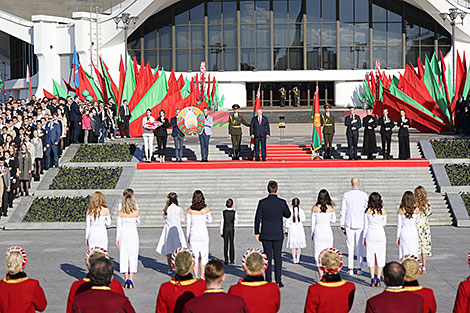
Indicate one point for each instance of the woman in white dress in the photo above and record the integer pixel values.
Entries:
(374, 238)
(172, 236)
(323, 214)
(424, 230)
(147, 134)
(97, 218)
(127, 239)
(407, 230)
(196, 231)
(295, 230)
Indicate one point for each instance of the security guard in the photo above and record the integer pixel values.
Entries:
(235, 130)
(328, 124)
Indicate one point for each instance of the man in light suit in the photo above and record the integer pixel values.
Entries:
(353, 206)
(352, 123)
(178, 137)
(205, 136)
(259, 131)
(269, 217)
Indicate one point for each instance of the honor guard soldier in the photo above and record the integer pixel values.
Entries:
(235, 130)
(296, 92)
(283, 93)
(328, 124)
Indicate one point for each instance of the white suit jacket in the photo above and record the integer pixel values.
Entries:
(353, 207)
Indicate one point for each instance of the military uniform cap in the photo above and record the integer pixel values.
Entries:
(235, 107)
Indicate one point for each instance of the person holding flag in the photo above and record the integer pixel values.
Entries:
(259, 129)
(316, 136)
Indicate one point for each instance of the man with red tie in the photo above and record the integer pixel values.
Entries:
(260, 131)
(214, 299)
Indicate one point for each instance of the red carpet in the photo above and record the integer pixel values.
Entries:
(229, 164)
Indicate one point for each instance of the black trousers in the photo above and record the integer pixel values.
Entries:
(161, 143)
(75, 131)
(353, 139)
(386, 142)
(4, 207)
(125, 128)
(261, 140)
(229, 248)
(273, 249)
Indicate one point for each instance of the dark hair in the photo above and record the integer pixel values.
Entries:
(375, 203)
(198, 202)
(272, 186)
(148, 110)
(408, 205)
(214, 270)
(229, 203)
(394, 274)
(171, 198)
(101, 272)
(324, 200)
(295, 205)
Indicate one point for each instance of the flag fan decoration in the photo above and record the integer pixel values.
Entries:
(143, 90)
(425, 93)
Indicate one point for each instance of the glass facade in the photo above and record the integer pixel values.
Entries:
(258, 35)
(22, 54)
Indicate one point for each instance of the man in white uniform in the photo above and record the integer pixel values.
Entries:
(353, 206)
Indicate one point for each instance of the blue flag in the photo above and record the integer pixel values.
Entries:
(76, 66)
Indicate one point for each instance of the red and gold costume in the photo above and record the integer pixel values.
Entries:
(20, 294)
(216, 301)
(82, 285)
(330, 297)
(430, 305)
(173, 295)
(101, 300)
(462, 301)
(260, 296)
(395, 301)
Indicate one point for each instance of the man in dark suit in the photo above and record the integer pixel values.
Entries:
(459, 114)
(259, 131)
(386, 125)
(352, 123)
(269, 214)
(125, 116)
(395, 298)
(178, 137)
(75, 118)
(100, 298)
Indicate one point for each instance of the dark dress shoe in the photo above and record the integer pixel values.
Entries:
(281, 285)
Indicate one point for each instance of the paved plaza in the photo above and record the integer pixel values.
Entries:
(56, 259)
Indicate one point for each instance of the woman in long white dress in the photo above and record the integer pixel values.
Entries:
(127, 239)
(97, 218)
(374, 238)
(323, 214)
(196, 231)
(295, 230)
(172, 236)
(407, 230)
(424, 230)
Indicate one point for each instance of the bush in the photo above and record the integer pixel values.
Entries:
(451, 148)
(459, 174)
(57, 209)
(86, 178)
(466, 201)
(104, 153)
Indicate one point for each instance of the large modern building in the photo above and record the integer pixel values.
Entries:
(279, 43)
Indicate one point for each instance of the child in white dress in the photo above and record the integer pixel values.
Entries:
(172, 236)
(374, 238)
(196, 231)
(127, 239)
(295, 230)
(407, 230)
(97, 218)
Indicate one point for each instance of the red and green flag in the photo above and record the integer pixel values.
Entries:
(257, 105)
(2, 88)
(316, 136)
(111, 88)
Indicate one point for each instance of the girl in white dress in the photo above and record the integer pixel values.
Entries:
(172, 236)
(374, 238)
(295, 230)
(127, 239)
(323, 214)
(196, 231)
(147, 135)
(97, 218)
(407, 230)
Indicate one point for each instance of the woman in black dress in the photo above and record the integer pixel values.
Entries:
(162, 135)
(403, 136)
(370, 144)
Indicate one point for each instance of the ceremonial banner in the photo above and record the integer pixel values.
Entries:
(316, 136)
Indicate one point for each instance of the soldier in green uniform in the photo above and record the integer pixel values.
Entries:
(296, 92)
(328, 124)
(283, 96)
(235, 130)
